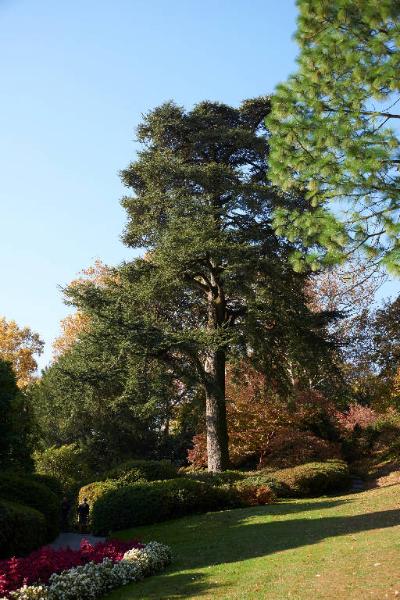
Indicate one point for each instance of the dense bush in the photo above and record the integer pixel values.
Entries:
(370, 437)
(292, 447)
(252, 493)
(311, 479)
(93, 491)
(50, 482)
(143, 470)
(356, 416)
(66, 464)
(21, 529)
(27, 491)
(274, 432)
(118, 507)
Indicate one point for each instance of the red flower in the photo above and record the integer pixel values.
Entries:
(42, 563)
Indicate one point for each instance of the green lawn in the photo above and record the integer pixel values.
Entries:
(338, 548)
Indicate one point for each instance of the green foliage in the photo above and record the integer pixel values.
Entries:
(8, 393)
(333, 135)
(26, 491)
(95, 490)
(50, 481)
(116, 507)
(120, 402)
(66, 464)
(22, 529)
(228, 477)
(14, 423)
(147, 470)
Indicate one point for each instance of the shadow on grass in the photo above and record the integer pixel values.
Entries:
(244, 540)
(231, 536)
(168, 586)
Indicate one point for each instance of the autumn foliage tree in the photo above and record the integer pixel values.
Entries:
(267, 430)
(77, 323)
(19, 345)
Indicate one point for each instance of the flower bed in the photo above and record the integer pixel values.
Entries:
(93, 579)
(41, 564)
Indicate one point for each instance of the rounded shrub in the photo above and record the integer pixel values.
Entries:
(27, 491)
(251, 493)
(119, 507)
(22, 529)
(97, 489)
(311, 479)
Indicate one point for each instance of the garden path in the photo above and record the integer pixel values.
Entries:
(73, 540)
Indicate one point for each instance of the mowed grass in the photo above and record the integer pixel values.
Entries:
(344, 547)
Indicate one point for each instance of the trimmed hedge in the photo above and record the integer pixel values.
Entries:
(93, 491)
(22, 529)
(27, 491)
(120, 507)
(132, 471)
(311, 479)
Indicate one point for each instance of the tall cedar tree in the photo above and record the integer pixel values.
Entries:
(202, 210)
(215, 279)
(334, 130)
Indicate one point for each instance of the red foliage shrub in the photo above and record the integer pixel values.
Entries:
(356, 416)
(197, 455)
(42, 563)
(261, 424)
(252, 494)
(291, 447)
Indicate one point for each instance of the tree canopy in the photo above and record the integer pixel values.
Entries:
(215, 282)
(335, 134)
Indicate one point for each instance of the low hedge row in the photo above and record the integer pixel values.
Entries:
(116, 506)
(33, 494)
(22, 529)
(310, 479)
(314, 479)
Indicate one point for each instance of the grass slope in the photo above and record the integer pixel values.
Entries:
(345, 547)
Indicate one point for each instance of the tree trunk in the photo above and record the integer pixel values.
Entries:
(217, 431)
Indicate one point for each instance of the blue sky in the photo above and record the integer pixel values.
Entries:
(76, 77)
